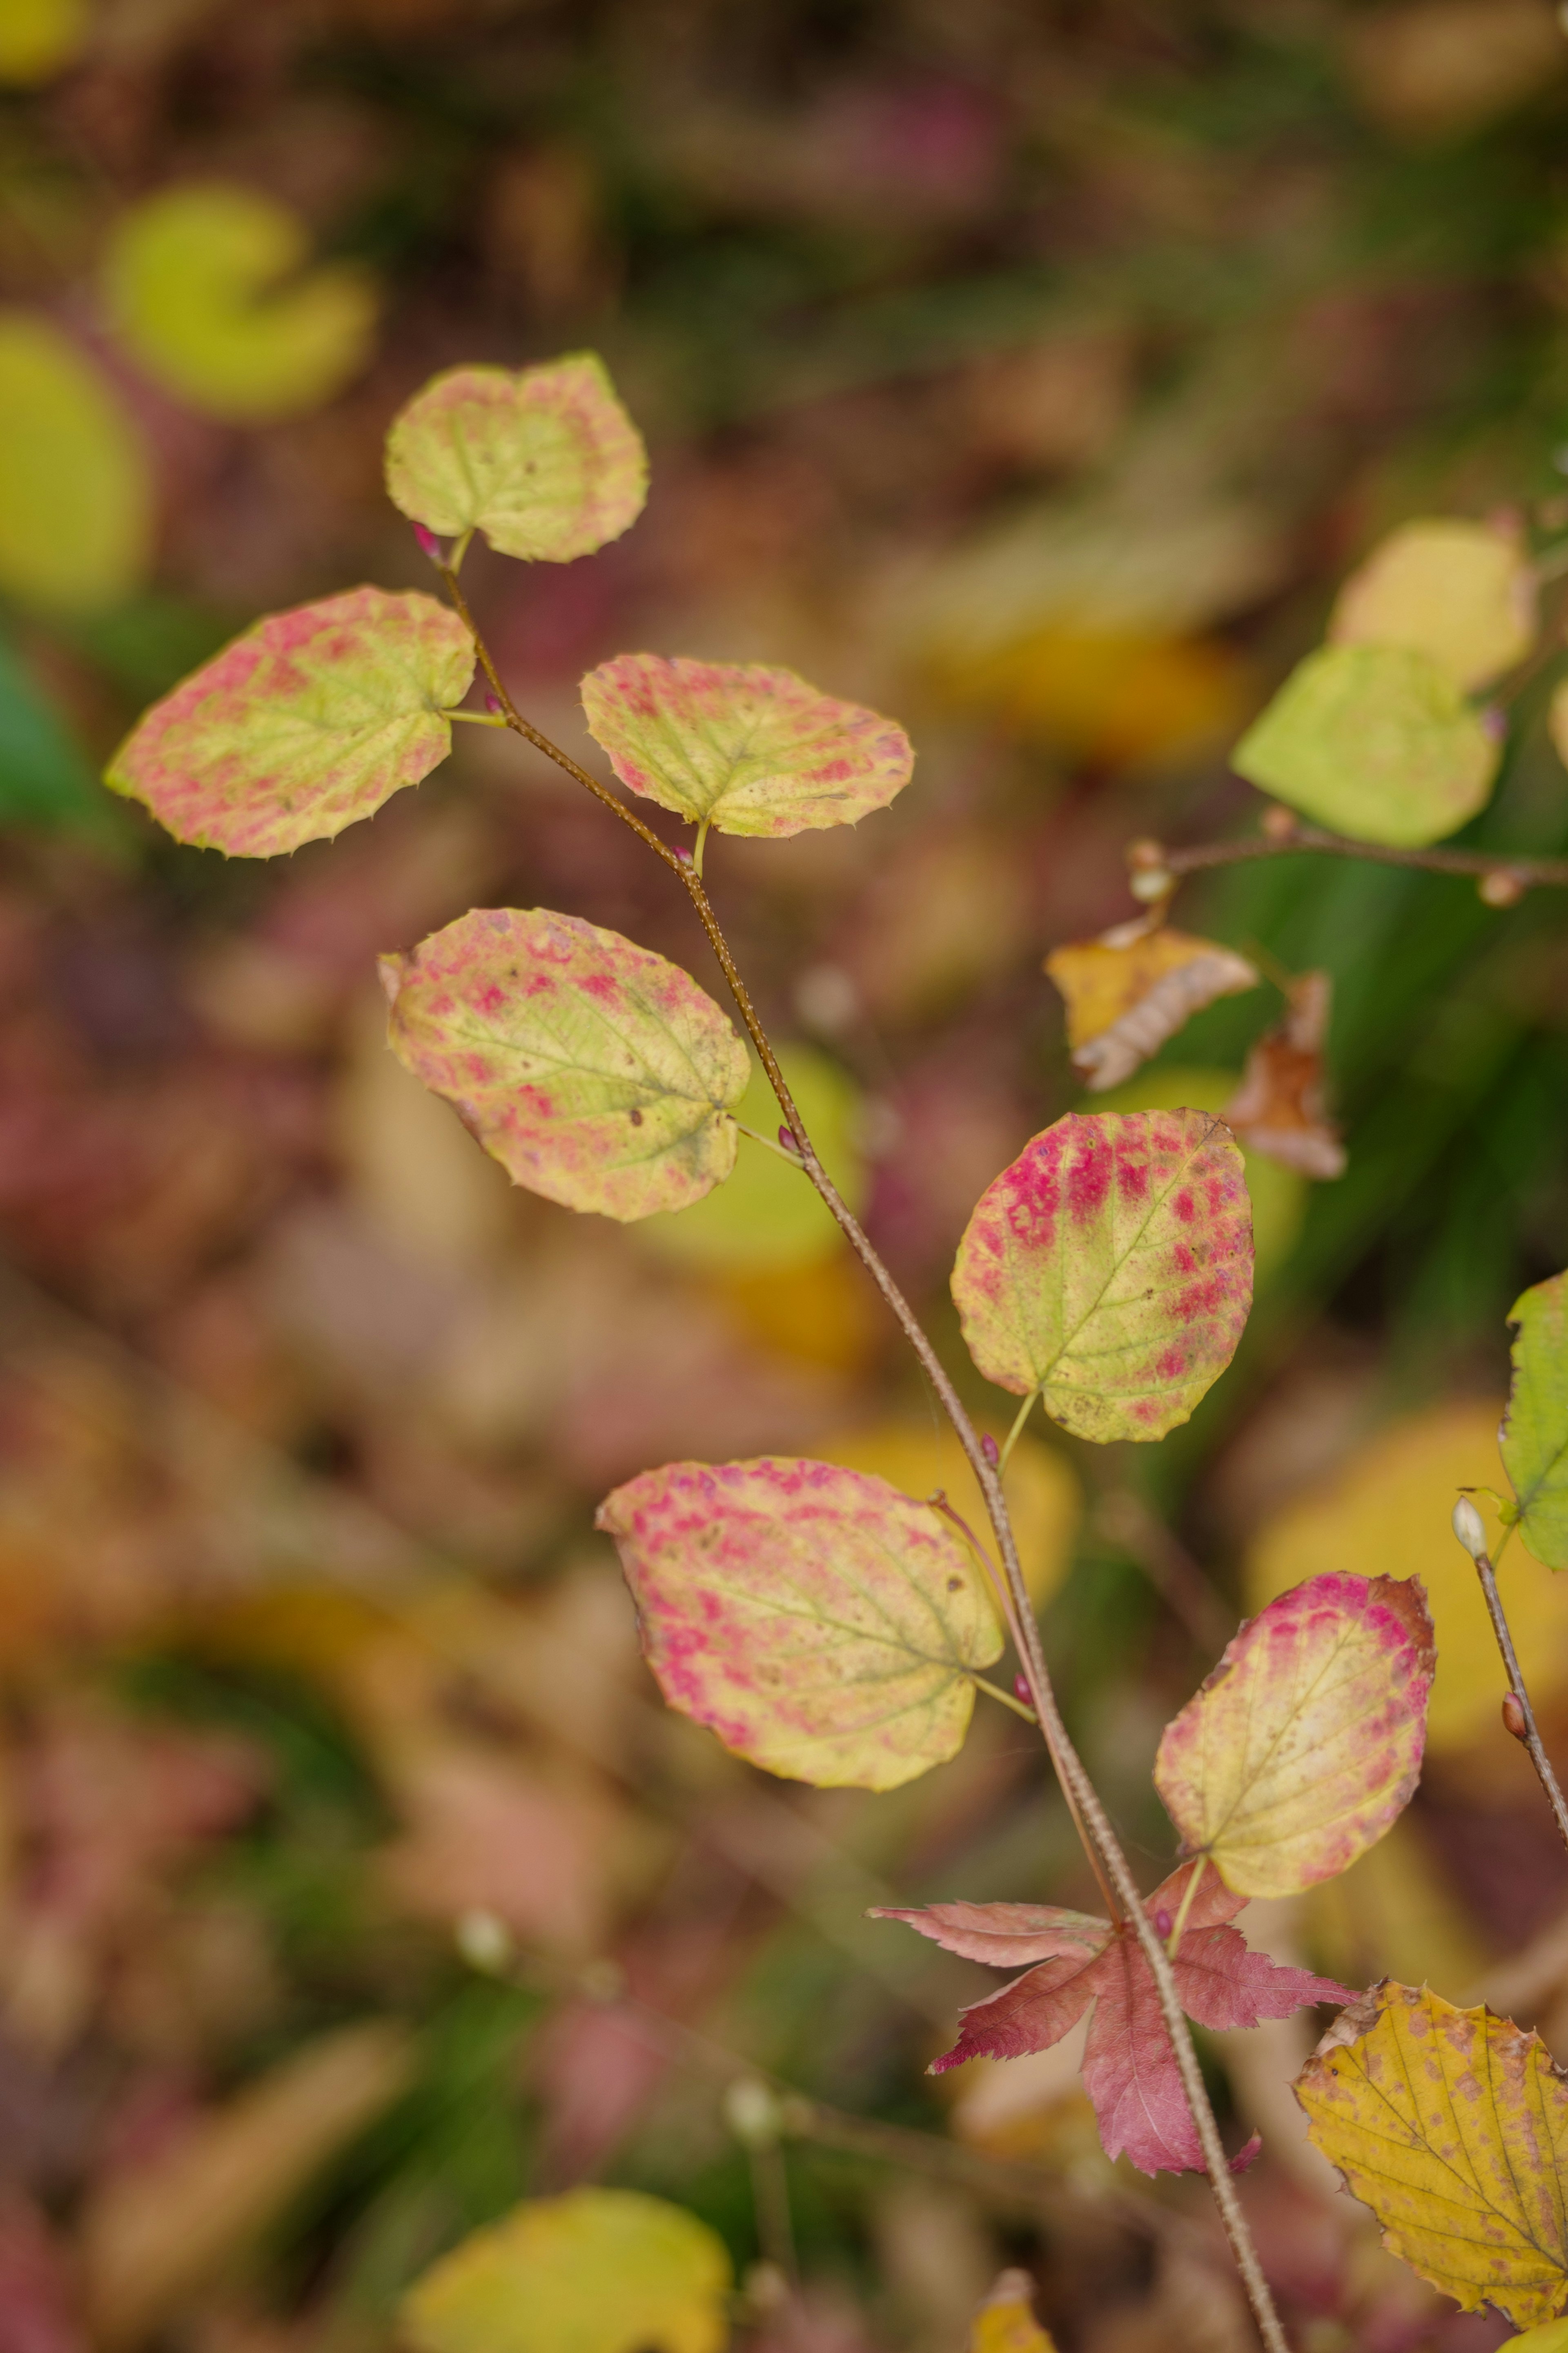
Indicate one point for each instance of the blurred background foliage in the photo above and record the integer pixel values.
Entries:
(1032, 372)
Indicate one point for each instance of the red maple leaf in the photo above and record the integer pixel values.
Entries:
(1128, 2069)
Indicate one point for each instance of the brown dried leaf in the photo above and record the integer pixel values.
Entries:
(1278, 1107)
(1135, 986)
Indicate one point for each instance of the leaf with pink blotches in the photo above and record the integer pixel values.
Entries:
(735, 744)
(1110, 1268)
(1129, 2068)
(304, 725)
(824, 1625)
(595, 1073)
(546, 463)
(1305, 1741)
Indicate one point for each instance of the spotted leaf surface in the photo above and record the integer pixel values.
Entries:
(822, 1624)
(1079, 1964)
(305, 723)
(1110, 1268)
(595, 1073)
(1305, 1741)
(546, 463)
(746, 748)
(1452, 2126)
(1535, 1436)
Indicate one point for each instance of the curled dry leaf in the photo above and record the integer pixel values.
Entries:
(736, 745)
(1305, 1743)
(1005, 2322)
(822, 1624)
(1278, 1107)
(1452, 2126)
(305, 723)
(1135, 986)
(1462, 592)
(1376, 742)
(595, 1071)
(1129, 2070)
(1110, 1268)
(597, 2271)
(1534, 1434)
(546, 463)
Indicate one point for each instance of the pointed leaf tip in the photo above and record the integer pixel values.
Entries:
(546, 463)
(745, 748)
(595, 1071)
(1110, 1267)
(305, 723)
(822, 1624)
(1305, 1741)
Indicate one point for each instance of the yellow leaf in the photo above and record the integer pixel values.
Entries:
(1388, 1513)
(1005, 2322)
(1133, 988)
(1278, 1195)
(210, 288)
(1112, 696)
(598, 2271)
(1552, 2337)
(1044, 1497)
(1452, 2126)
(1462, 592)
(39, 38)
(76, 495)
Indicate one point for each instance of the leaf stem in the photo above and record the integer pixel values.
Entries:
(480, 718)
(1531, 1736)
(1186, 1905)
(701, 844)
(995, 1691)
(1017, 1431)
(756, 1136)
(1099, 1837)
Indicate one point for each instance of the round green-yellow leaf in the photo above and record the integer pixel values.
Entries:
(740, 746)
(1534, 1434)
(309, 721)
(595, 1071)
(825, 1626)
(1462, 592)
(211, 289)
(39, 38)
(769, 1216)
(76, 491)
(1375, 742)
(1278, 1195)
(596, 2271)
(546, 463)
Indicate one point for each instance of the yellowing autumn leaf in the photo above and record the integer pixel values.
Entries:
(76, 491)
(1278, 1195)
(769, 1218)
(1305, 1741)
(546, 463)
(1375, 742)
(740, 746)
(1534, 1435)
(1045, 1500)
(1452, 2126)
(1133, 988)
(595, 1071)
(39, 38)
(211, 289)
(1386, 1514)
(1005, 2322)
(1552, 2337)
(1113, 696)
(307, 722)
(596, 2271)
(822, 1624)
(1110, 1267)
(1462, 592)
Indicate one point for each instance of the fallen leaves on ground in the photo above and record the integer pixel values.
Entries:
(1280, 1106)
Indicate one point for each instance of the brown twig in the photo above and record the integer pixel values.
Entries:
(1287, 838)
(1094, 1821)
(1520, 1720)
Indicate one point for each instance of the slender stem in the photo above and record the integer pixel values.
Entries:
(480, 718)
(1017, 1431)
(1095, 1827)
(1155, 858)
(1532, 1739)
(1186, 1905)
(701, 844)
(756, 1136)
(995, 1691)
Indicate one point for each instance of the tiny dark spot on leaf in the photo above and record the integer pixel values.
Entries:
(636, 1116)
(955, 1584)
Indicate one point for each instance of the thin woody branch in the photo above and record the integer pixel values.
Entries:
(1519, 1718)
(1504, 876)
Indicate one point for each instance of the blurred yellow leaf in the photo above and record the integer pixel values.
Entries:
(76, 495)
(1113, 696)
(1388, 1513)
(1129, 990)
(39, 37)
(1462, 592)
(1452, 2126)
(1394, 1914)
(1278, 1195)
(210, 288)
(1043, 1493)
(766, 1215)
(827, 1313)
(1005, 2322)
(598, 2271)
(1552, 2337)
(1439, 68)
(155, 2234)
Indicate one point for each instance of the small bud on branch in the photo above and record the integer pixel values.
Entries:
(1470, 1528)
